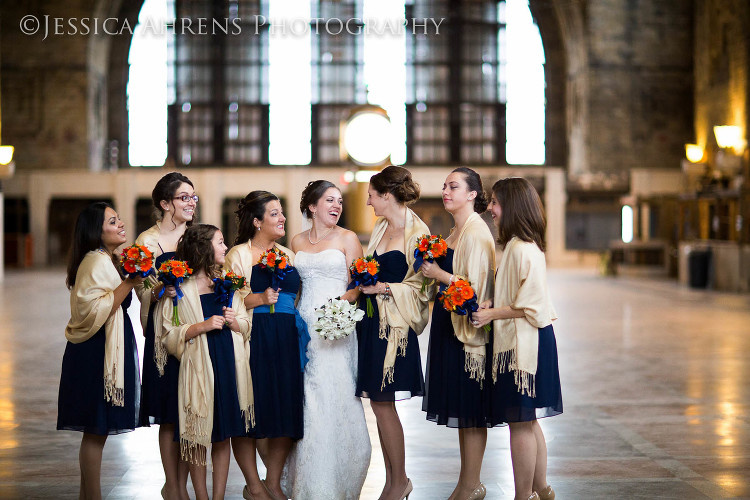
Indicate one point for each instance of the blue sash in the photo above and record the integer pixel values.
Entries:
(285, 305)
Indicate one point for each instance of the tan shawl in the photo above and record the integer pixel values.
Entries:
(195, 395)
(91, 300)
(150, 239)
(240, 260)
(474, 260)
(521, 283)
(409, 307)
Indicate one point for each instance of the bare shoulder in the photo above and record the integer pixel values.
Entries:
(297, 242)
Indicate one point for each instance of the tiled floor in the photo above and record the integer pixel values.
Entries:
(656, 385)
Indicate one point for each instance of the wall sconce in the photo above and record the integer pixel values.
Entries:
(694, 153)
(728, 136)
(7, 165)
(366, 137)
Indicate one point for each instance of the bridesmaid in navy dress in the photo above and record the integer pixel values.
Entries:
(277, 343)
(99, 383)
(526, 379)
(457, 356)
(389, 362)
(174, 202)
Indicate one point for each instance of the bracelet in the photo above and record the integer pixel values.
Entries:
(451, 279)
(387, 289)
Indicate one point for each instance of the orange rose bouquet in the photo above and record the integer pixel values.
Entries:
(461, 299)
(277, 263)
(429, 248)
(364, 272)
(138, 260)
(172, 273)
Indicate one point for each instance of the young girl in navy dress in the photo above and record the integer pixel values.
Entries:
(456, 360)
(99, 383)
(174, 201)
(276, 343)
(389, 363)
(215, 398)
(525, 378)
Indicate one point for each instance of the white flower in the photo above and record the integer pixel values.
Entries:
(337, 319)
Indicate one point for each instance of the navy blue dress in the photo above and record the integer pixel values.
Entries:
(275, 362)
(80, 403)
(228, 419)
(506, 402)
(408, 380)
(159, 396)
(452, 398)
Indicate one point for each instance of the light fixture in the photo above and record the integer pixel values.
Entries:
(728, 136)
(366, 136)
(6, 154)
(693, 152)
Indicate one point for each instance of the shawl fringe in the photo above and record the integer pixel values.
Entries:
(505, 362)
(160, 353)
(474, 365)
(193, 453)
(113, 394)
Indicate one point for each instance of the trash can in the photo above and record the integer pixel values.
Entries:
(699, 262)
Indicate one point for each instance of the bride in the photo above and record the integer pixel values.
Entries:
(331, 461)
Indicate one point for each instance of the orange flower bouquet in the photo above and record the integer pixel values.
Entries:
(461, 299)
(429, 248)
(277, 263)
(364, 272)
(138, 260)
(172, 273)
(225, 287)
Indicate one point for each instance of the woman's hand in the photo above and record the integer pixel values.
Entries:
(135, 280)
(170, 291)
(482, 316)
(270, 296)
(230, 319)
(215, 322)
(431, 270)
(486, 304)
(373, 289)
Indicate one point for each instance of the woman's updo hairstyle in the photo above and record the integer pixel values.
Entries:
(481, 202)
(312, 193)
(398, 182)
(251, 207)
(165, 190)
(196, 247)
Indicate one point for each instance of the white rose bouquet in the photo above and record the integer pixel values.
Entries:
(337, 318)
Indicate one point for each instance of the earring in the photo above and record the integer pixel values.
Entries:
(314, 215)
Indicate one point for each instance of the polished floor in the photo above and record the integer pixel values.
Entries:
(656, 386)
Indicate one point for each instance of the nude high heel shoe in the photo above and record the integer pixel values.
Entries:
(407, 491)
(479, 493)
(534, 496)
(547, 493)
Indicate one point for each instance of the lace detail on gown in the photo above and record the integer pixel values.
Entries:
(331, 461)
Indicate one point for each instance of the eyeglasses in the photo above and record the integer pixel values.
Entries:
(186, 198)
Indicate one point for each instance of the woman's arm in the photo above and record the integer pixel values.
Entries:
(122, 291)
(484, 316)
(266, 298)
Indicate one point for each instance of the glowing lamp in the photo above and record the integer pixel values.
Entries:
(367, 137)
(728, 136)
(6, 154)
(693, 152)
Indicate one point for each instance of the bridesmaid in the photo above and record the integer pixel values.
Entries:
(174, 202)
(456, 357)
(276, 343)
(390, 366)
(99, 383)
(215, 386)
(526, 379)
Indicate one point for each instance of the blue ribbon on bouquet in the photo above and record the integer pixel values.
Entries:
(171, 280)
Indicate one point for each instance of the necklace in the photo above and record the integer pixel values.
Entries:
(309, 233)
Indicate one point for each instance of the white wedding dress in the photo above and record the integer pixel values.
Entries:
(330, 462)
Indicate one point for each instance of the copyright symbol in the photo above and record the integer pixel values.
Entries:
(29, 25)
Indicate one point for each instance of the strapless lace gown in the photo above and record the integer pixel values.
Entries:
(331, 461)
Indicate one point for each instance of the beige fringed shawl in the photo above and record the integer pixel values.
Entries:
(521, 283)
(150, 239)
(409, 307)
(474, 260)
(195, 395)
(91, 300)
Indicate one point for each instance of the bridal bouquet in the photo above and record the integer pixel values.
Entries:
(337, 318)
(138, 260)
(429, 248)
(172, 272)
(461, 299)
(364, 272)
(277, 263)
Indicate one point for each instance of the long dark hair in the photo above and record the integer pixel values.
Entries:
(87, 236)
(475, 184)
(398, 182)
(196, 248)
(522, 212)
(252, 206)
(312, 193)
(165, 189)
